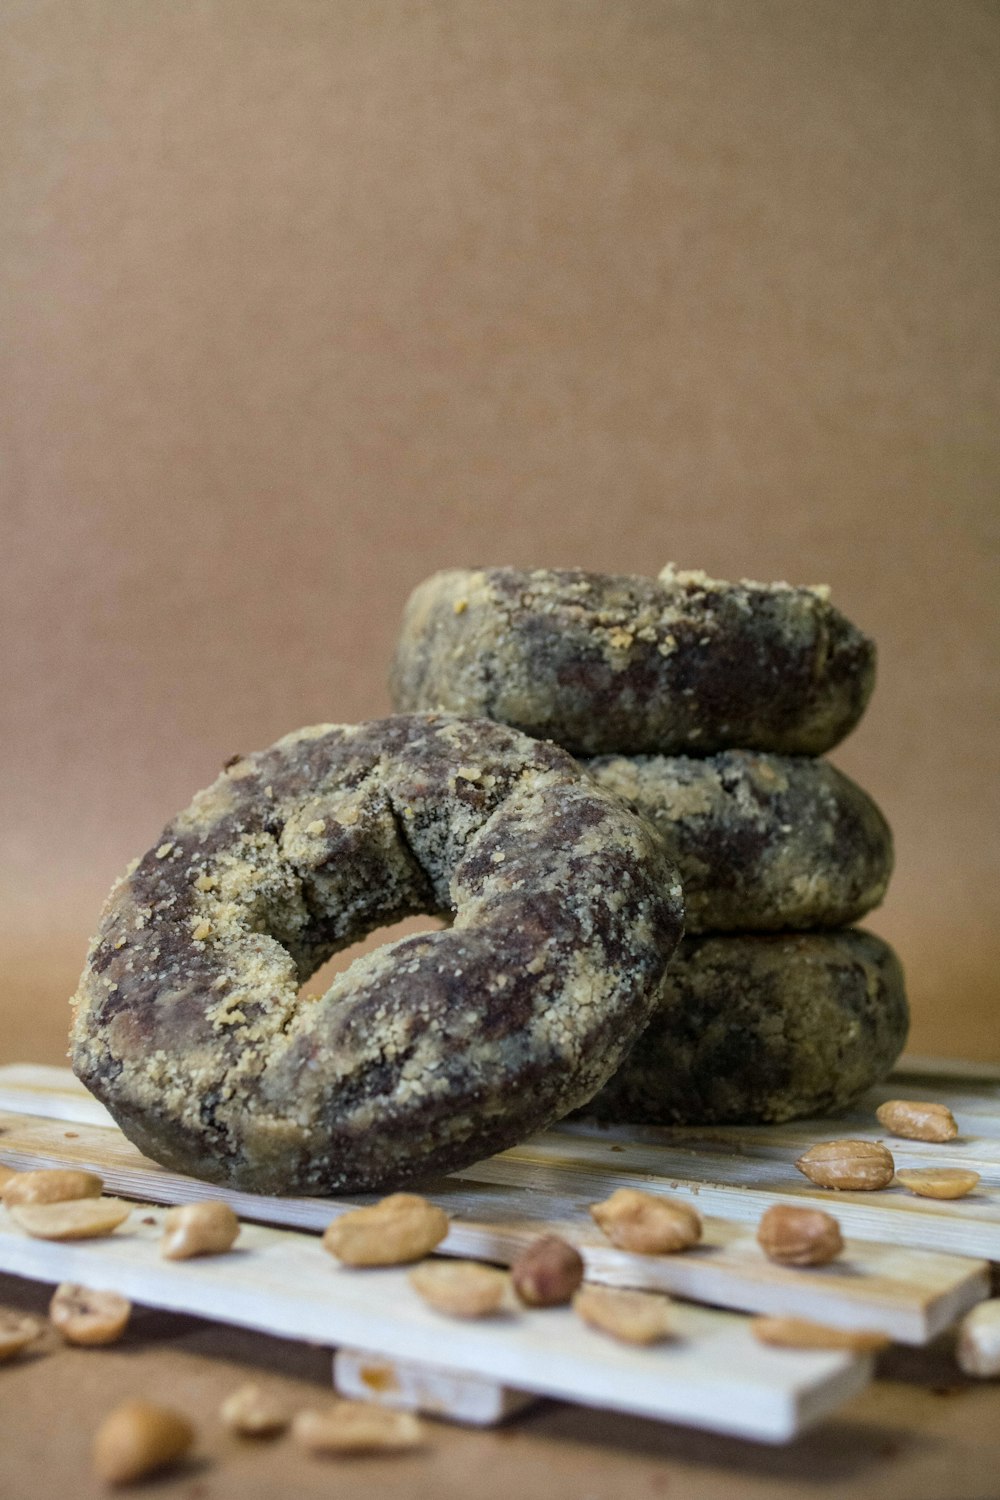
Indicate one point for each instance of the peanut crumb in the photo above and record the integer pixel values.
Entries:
(202, 931)
(316, 827)
(460, 606)
(163, 851)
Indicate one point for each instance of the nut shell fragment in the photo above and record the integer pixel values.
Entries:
(400, 1228)
(918, 1120)
(87, 1317)
(460, 1288)
(137, 1439)
(357, 1427)
(938, 1182)
(857, 1166)
(801, 1333)
(646, 1223)
(632, 1317)
(78, 1219)
(51, 1185)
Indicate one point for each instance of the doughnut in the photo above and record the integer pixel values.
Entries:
(425, 1055)
(680, 664)
(763, 1028)
(762, 842)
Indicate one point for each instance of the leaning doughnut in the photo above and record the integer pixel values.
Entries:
(762, 842)
(425, 1055)
(628, 666)
(763, 1028)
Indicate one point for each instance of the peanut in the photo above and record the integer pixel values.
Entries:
(87, 1317)
(800, 1333)
(198, 1229)
(55, 1185)
(632, 1317)
(137, 1439)
(401, 1228)
(547, 1272)
(78, 1219)
(799, 1236)
(250, 1412)
(6, 1173)
(978, 1347)
(859, 1166)
(460, 1288)
(357, 1427)
(938, 1182)
(16, 1333)
(647, 1224)
(917, 1121)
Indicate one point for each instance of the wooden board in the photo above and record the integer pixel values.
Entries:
(711, 1374)
(498, 1206)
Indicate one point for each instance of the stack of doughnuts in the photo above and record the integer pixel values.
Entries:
(705, 707)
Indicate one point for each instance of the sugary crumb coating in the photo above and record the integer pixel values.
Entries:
(763, 842)
(423, 1056)
(623, 665)
(763, 1028)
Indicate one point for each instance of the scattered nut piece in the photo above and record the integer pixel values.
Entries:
(646, 1223)
(137, 1439)
(357, 1427)
(78, 1219)
(198, 1229)
(251, 1412)
(978, 1347)
(460, 1288)
(799, 1236)
(860, 1166)
(83, 1316)
(938, 1182)
(632, 1317)
(401, 1228)
(16, 1333)
(917, 1121)
(800, 1333)
(54, 1185)
(547, 1272)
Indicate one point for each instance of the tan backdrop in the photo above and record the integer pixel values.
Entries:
(305, 300)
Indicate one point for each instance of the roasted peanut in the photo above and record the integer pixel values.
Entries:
(16, 1333)
(547, 1272)
(460, 1288)
(83, 1316)
(357, 1427)
(250, 1412)
(938, 1182)
(77, 1219)
(646, 1223)
(799, 1236)
(800, 1333)
(6, 1173)
(632, 1317)
(54, 1185)
(917, 1121)
(978, 1347)
(137, 1439)
(858, 1166)
(401, 1228)
(198, 1229)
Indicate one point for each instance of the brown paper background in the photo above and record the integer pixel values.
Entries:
(302, 301)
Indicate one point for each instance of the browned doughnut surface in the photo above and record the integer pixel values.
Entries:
(756, 1028)
(762, 842)
(425, 1055)
(620, 665)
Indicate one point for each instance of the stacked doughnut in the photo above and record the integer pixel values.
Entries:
(705, 706)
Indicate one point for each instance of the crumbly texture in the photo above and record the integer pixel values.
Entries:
(763, 1028)
(622, 665)
(763, 842)
(425, 1055)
